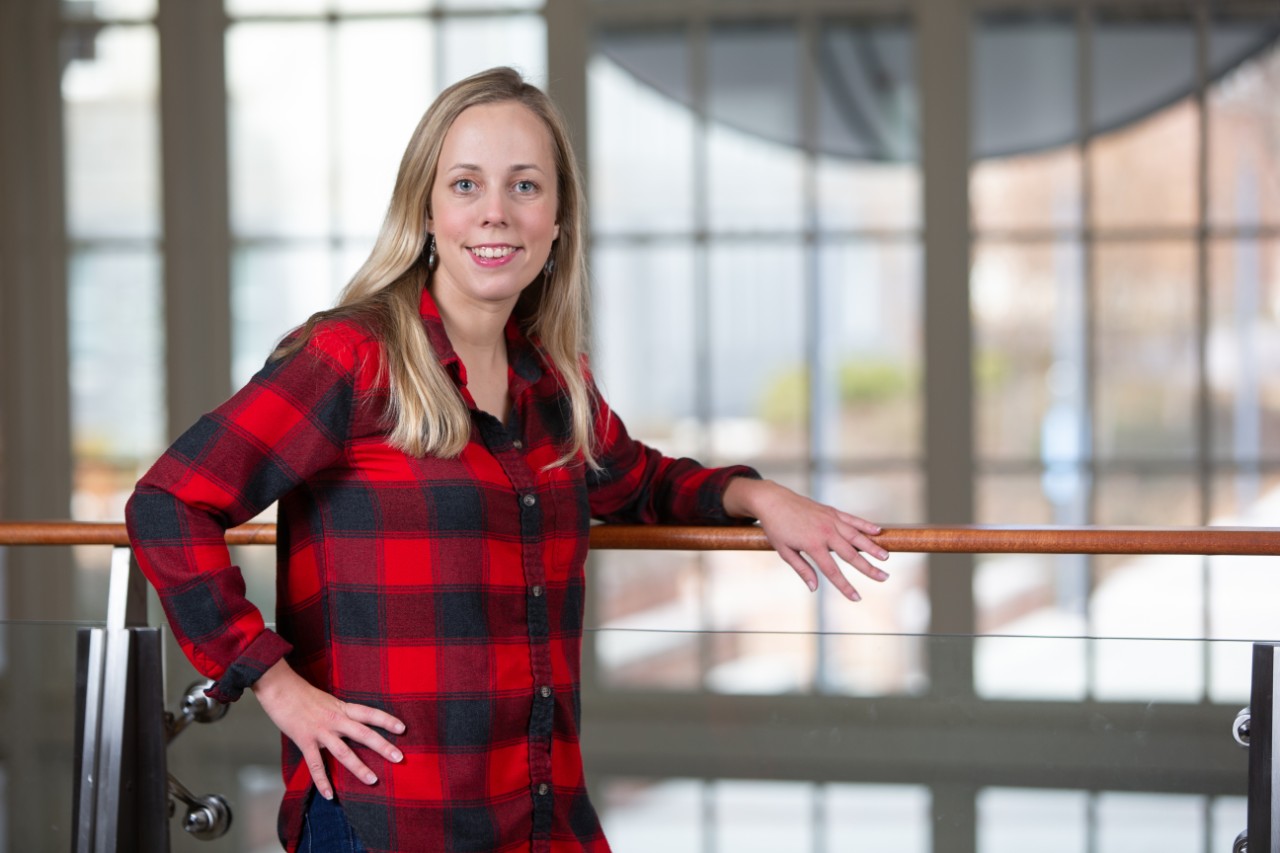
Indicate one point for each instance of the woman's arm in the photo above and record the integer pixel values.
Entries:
(798, 527)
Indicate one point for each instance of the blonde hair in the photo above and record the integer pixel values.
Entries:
(426, 414)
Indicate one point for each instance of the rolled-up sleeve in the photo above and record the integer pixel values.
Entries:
(637, 484)
(289, 422)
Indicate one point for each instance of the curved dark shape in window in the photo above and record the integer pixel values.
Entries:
(1025, 79)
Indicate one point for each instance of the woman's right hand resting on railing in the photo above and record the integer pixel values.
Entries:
(315, 720)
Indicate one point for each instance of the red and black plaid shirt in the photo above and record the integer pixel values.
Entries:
(447, 592)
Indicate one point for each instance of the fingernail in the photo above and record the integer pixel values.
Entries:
(370, 779)
(813, 586)
(397, 756)
(399, 728)
(884, 555)
(328, 795)
(854, 596)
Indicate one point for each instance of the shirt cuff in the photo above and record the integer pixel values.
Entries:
(259, 656)
(711, 496)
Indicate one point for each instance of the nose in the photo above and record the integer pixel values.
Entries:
(494, 210)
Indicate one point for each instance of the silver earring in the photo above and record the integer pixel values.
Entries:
(433, 260)
(549, 266)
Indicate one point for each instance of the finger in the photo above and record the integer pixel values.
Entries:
(868, 527)
(347, 757)
(862, 543)
(374, 717)
(803, 569)
(315, 766)
(853, 557)
(366, 736)
(832, 571)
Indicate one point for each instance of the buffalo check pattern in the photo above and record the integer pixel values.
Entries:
(448, 592)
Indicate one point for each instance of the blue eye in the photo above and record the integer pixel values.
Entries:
(464, 185)
(526, 187)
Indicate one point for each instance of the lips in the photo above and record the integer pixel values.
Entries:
(492, 253)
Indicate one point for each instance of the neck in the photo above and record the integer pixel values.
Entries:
(476, 328)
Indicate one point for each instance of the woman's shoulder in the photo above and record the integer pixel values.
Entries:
(344, 342)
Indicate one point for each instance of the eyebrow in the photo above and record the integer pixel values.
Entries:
(472, 167)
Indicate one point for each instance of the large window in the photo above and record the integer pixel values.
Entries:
(754, 193)
(110, 91)
(1122, 263)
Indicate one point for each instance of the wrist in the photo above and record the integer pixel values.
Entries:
(745, 497)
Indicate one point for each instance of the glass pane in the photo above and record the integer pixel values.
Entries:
(492, 4)
(474, 44)
(755, 168)
(1040, 190)
(1015, 821)
(857, 195)
(1146, 350)
(759, 393)
(878, 817)
(1228, 817)
(384, 83)
(867, 124)
(1028, 319)
(642, 140)
(1244, 151)
(762, 816)
(763, 616)
(1244, 348)
(649, 605)
(276, 7)
(1169, 823)
(117, 376)
(1024, 85)
(1143, 162)
(896, 612)
(1140, 671)
(641, 816)
(1031, 594)
(279, 116)
(272, 291)
(1027, 167)
(1150, 499)
(109, 89)
(108, 10)
(1038, 668)
(373, 6)
(868, 402)
(646, 341)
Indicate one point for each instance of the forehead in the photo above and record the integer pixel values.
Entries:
(498, 136)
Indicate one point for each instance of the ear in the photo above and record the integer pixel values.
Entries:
(556, 234)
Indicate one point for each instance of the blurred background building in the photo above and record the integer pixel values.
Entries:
(994, 261)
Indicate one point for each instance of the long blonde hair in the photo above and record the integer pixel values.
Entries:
(426, 414)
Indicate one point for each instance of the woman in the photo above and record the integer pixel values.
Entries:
(437, 447)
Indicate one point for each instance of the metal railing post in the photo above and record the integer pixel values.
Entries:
(1264, 751)
(121, 801)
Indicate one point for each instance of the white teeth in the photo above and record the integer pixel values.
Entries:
(492, 252)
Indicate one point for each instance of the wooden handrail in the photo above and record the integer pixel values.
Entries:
(935, 539)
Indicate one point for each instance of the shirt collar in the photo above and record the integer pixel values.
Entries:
(522, 354)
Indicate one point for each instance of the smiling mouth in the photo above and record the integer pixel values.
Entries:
(491, 252)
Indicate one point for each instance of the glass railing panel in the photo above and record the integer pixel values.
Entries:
(1143, 759)
(37, 738)
(1146, 763)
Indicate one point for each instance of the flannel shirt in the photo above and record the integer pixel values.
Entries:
(447, 592)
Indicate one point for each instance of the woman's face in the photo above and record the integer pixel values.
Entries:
(493, 205)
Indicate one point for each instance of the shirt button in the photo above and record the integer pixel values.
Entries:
(537, 592)
(545, 691)
(528, 500)
(517, 444)
(543, 788)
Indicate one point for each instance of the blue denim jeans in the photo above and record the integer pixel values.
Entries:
(325, 829)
